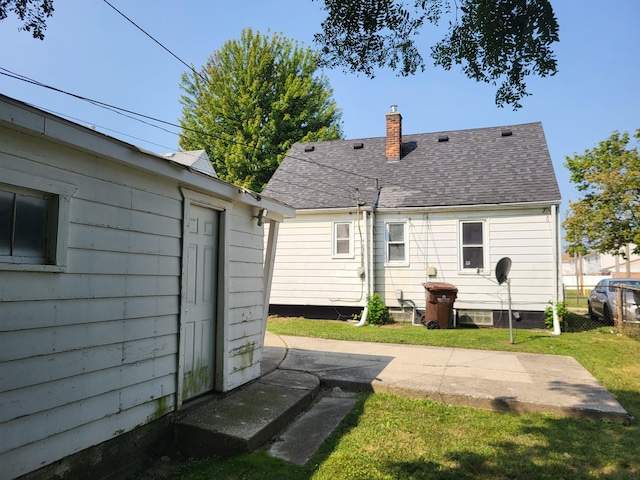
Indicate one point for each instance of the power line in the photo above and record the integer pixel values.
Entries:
(156, 41)
(124, 112)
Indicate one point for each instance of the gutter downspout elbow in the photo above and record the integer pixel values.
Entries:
(363, 318)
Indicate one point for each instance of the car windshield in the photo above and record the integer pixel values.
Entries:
(627, 282)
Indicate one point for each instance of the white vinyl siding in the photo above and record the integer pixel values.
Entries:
(92, 351)
(304, 273)
(524, 235)
(307, 273)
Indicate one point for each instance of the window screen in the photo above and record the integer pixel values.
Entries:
(342, 238)
(395, 242)
(472, 245)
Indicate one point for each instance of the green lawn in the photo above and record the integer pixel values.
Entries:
(573, 298)
(389, 437)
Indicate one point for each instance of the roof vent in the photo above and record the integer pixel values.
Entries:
(309, 148)
(358, 146)
(443, 138)
(507, 132)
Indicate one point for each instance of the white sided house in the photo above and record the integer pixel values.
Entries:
(387, 215)
(130, 283)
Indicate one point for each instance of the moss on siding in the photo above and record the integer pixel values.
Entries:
(245, 355)
(161, 407)
(194, 381)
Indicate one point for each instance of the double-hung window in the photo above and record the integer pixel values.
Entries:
(396, 243)
(472, 245)
(343, 239)
(34, 222)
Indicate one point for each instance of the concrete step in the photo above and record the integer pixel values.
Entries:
(304, 436)
(246, 419)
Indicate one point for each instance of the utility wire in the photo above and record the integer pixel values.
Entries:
(302, 156)
(152, 38)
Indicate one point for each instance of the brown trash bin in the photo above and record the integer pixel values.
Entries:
(440, 298)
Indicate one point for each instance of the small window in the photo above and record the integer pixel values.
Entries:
(473, 245)
(342, 239)
(25, 226)
(395, 233)
(34, 222)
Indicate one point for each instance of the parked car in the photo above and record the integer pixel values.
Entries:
(603, 300)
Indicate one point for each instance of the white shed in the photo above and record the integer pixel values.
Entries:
(129, 284)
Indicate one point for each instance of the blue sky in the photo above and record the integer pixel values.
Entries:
(92, 51)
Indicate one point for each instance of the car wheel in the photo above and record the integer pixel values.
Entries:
(607, 316)
(592, 314)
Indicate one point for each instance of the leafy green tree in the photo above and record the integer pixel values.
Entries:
(494, 40)
(251, 102)
(607, 217)
(33, 13)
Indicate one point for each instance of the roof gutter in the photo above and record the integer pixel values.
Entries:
(35, 122)
(482, 206)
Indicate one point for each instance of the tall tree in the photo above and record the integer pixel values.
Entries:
(253, 100)
(607, 218)
(33, 14)
(494, 41)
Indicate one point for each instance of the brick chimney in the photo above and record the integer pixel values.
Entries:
(394, 134)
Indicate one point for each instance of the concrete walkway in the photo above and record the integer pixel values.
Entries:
(504, 381)
(296, 370)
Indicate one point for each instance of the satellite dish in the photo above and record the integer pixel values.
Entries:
(502, 270)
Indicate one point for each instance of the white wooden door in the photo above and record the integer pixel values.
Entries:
(198, 339)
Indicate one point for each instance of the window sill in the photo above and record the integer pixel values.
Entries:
(473, 271)
(396, 264)
(28, 267)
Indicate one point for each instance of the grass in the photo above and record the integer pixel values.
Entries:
(390, 437)
(573, 298)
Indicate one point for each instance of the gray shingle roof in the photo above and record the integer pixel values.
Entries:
(474, 167)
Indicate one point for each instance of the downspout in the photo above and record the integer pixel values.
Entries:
(370, 259)
(269, 260)
(368, 270)
(556, 280)
(369, 246)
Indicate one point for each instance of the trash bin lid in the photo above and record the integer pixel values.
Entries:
(439, 286)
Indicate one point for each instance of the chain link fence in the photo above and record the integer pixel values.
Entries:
(626, 315)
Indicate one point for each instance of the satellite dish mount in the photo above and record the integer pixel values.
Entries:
(502, 275)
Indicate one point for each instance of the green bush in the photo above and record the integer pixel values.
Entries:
(378, 313)
(548, 313)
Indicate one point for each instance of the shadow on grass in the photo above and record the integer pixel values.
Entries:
(541, 448)
(503, 446)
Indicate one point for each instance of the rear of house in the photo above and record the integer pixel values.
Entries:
(387, 215)
(130, 284)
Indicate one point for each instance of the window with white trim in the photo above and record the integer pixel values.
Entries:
(343, 239)
(34, 222)
(472, 245)
(396, 243)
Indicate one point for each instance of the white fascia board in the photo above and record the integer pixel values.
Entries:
(314, 211)
(484, 206)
